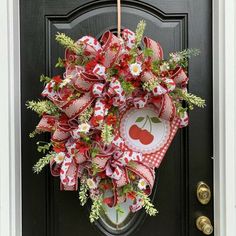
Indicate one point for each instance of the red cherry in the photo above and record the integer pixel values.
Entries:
(134, 132)
(145, 137)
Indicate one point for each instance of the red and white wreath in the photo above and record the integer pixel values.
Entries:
(112, 116)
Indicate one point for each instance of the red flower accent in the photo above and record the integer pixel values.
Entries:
(51, 121)
(136, 83)
(100, 58)
(164, 73)
(65, 93)
(81, 147)
(57, 79)
(95, 120)
(59, 147)
(111, 119)
(115, 47)
(102, 175)
(90, 65)
(63, 118)
(147, 65)
(131, 195)
(126, 58)
(97, 137)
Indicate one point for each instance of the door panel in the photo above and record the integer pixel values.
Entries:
(176, 24)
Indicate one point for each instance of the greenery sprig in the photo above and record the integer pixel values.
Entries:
(96, 209)
(43, 107)
(60, 63)
(44, 79)
(190, 98)
(147, 204)
(127, 87)
(139, 32)
(138, 38)
(83, 193)
(107, 135)
(34, 133)
(150, 84)
(86, 115)
(69, 43)
(181, 58)
(43, 146)
(42, 162)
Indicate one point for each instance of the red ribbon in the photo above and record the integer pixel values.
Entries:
(94, 87)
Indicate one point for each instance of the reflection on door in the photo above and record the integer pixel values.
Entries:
(117, 218)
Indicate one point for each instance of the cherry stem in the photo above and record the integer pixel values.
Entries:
(145, 122)
(150, 123)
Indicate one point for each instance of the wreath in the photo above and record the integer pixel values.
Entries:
(112, 116)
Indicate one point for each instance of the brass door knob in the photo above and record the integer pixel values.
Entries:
(203, 193)
(204, 224)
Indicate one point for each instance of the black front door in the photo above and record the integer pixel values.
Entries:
(176, 24)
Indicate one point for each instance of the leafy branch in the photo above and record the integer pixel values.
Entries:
(44, 147)
(96, 209)
(83, 193)
(34, 133)
(190, 98)
(86, 115)
(150, 84)
(127, 87)
(42, 162)
(60, 63)
(181, 58)
(147, 204)
(69, 43)
(138, 38)
(41, 107)
(106, 134)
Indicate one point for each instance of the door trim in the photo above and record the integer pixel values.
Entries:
(10, 151)
(224, 62)
(224, 74)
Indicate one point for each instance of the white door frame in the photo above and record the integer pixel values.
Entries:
(224, 75)
(224, 89)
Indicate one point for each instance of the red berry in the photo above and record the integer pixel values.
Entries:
(145, 137)
(134, 132)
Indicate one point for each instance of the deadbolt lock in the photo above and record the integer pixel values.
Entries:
(204, 224)
(203, 193)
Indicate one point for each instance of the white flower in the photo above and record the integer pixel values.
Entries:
(91, 183)
(142, 184)
(175, 57)
(164, 67)
(85, 127)
(59, 158)
(135, 69)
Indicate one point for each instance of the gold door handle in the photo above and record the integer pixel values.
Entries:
(203, 193)
(204, 224)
